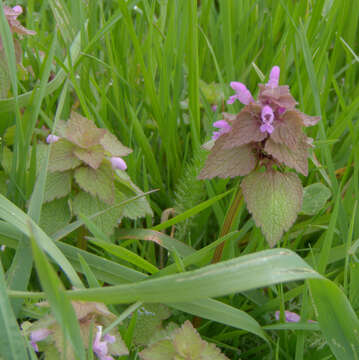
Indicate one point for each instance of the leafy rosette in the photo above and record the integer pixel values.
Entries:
(93, 158)
(265, 132)
(46, 336)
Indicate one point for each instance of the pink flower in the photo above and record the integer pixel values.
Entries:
(118, 163)
(100, 347)
(223, 126)
(289, 316)
(38, 335)
(214, 107)
(267, 117)
(52, 139)
(243, 95)
(15, 26)
(274, 77)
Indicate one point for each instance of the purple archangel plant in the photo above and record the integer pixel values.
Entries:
(267, 133)
(87, 168)
(46, 335)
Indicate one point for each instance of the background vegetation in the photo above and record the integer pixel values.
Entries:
(150, 72)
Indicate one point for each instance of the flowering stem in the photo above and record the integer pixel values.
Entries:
(228, 223)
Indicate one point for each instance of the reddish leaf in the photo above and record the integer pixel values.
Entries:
(279, 96)
(295, 158)
(92, 156)
(288, 130)
(83, 132)
(308, 120)
(245, 128)
(274, 199)
(238, 161)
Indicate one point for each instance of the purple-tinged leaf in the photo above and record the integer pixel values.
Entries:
(274, 199)
(307, 120)
(92, 156)
(295, 158)
(238, 161)
(288, 130)
(245, 128)
(62, 156)
(112, 145)
(83, 132)
(97, 182)
(279, 96)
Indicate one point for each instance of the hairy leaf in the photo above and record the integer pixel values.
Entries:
(288, 130)
(62, 156)
(245, 128)
(238, 161)
(149, 320)
(135, 208)
(183, 343)
(86, 204)
(97, 182)
(92, 156)
(314, 198)
(274, 199)
(279, 96)
(55, 215)
(83, 132)
(112, 145)
(295, 158)
(58, 185)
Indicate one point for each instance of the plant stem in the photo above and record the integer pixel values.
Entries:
(229, 222)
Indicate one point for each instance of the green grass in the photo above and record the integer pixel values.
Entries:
(137, 68)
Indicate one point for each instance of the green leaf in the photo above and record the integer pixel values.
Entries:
(6, 159)
(148, 322)
(58, 185)
(3, 182)
(245, 273)
(92, 156)
(4, 75)
(183, 343)
(112, 145)
(97, 182)
(12, 344)
(274, 199)
(161, 350)
(88, 205)
(337, 319)
(221, 162)
(83, 132)
(55, 215)
(136, 208)
(315, 197)
(62, 156)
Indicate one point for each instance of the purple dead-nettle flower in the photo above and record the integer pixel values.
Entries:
(100, 347)
(38, 335)
(118, 163)
(223, 127)
(267, 117)
(52, 139)
(15, 26)
(214, 107)
(288, 315)
(268, 131)
(243, 95)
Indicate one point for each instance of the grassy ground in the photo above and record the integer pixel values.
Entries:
(150, 72)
